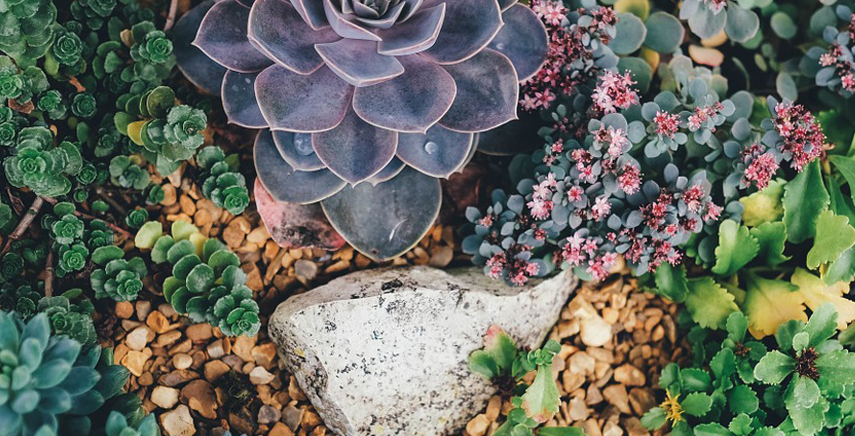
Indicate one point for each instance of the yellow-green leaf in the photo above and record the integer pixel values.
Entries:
(541, 399)
(708, 303)
(834, 235)
(772, 237)
(764, 206)
(770, 303)
(816, 293)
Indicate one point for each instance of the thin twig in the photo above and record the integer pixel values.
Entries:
(24, 224)
(49, 274)
(170, 19)
(17, 204)
(111, 201)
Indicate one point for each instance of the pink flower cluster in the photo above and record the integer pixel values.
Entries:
(614, 91)
(567, 45)
(716, 5)
(541, 201)
(702, 114)
(760, 165)
(519, 269)
(666, 124)
(578, 250)
(843, 68)
(801, 135)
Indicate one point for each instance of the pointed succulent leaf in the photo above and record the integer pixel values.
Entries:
(467, 28)
(358, 63)
(411, 102)
(523, 39)
(277, 29)
(417, 34)
(195, 64)
(239, 102)
(437, 153)
(296, 149)
(222, 35)
(541, 399)
(292, 102)
(364, 215)
(355, 150)
(284, 183)
(487, 93)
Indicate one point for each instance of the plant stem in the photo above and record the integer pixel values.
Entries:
(170, 19)
(17, 205)
(24, 224)
(111, 201)
(49, 273)
(115, 228)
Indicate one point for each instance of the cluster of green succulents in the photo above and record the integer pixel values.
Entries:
(801, 383)
(207, 282)
(52, 385)
(221, 181)
(501, 362)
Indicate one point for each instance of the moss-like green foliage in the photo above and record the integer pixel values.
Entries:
(17, 296)
(221, 182)
(41, 166)
(27, 30)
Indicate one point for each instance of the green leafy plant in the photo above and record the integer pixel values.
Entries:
(127, 172)
(221, 181)
(206, 283)
(41, 166)
(802, 384)
(501, 362)
(119, 279)
(70, 319)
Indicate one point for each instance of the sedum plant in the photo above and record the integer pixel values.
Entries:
(119, 279)
(802, 385)
(341, 97)
(501, 362)
(221, 181)
(206, 283)
(38, 164)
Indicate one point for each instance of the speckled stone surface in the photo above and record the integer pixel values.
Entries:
(383, 352)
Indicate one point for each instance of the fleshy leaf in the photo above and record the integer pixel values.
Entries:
(707, 24)
(286, 184)
(834, 235)
(411, 102)
(804, 198)
(770, 303)
(838, 366)
(297, 103)
(277, 29)
(665, 33)
(846, 166)
(417, 34)
(468, 27)
(358, 63)
(408, 205)
(630, 34)
(194, 63)
(523, 40)
(708, 303)
(296, 149)
(295, 225)
(736, 247)
(774, 367)
(239, 101)
(842, 269)
(222, 36)
(541, 399)
(355, 150)
(817, 292)
(742, 24)
(487, 93)
(696, 404)
(438, 153)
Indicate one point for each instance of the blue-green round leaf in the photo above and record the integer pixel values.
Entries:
(629, 34)
(664, 32)
(200, 279)
(640, 70)
(783, 25)
(742, 24)
(706, 24)
(786, 86)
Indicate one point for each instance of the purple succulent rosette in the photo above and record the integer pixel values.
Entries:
(356, 91)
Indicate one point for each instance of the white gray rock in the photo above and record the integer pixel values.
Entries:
(384, 352)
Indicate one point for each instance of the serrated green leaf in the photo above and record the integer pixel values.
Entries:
(838, 203)
(541, 399)
(742, 399)
(804, 198)
(560, 431)
(822, 324)
(671, 282)
(696, 404)
(772, 237)
(653, 419)
(708, 303)
(834, 235)
(737, 326)
(711, 429)
(501, 347)
(736, 247)
(845, 165)
(741, 425)
(774, 367)
(837, 366)
(803, 392)
(841, 269)
(808, 420)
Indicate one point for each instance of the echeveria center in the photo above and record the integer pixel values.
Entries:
(373, 8)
